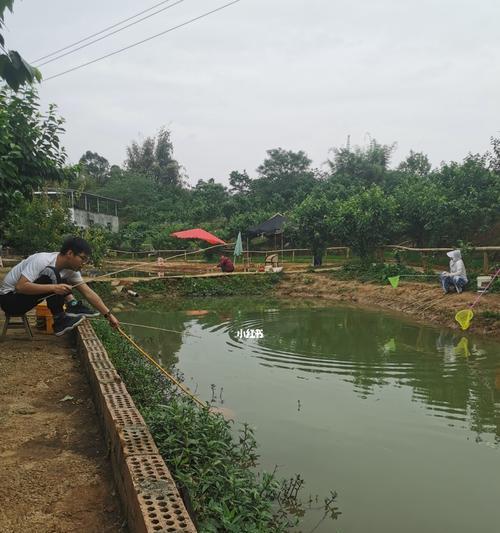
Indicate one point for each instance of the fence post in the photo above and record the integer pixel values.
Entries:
(293, 256)
(486, 263)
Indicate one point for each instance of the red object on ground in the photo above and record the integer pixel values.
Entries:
(198, 233)
(225, 264)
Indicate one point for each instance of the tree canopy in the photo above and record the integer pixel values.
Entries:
(13, 68)
(31, 154)
(154, 158)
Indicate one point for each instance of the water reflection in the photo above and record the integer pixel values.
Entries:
(386, 411)
(452, 375)
(448, 372)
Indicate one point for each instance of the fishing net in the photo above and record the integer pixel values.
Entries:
(394, 281)
(464, 318)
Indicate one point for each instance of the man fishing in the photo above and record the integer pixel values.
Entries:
(456, 278)
(51, 276)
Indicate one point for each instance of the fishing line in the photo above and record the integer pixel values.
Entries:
(161, 369)
(108, 274)
(464, 316)
(160, 329)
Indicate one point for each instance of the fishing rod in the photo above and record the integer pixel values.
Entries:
(417, 275)
(160, 329)
(161, 369)
(108, 274)
(464, 316)
(138, 263)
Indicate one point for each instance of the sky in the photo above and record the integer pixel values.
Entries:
(262, 74)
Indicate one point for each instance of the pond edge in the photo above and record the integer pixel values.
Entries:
(148, 494)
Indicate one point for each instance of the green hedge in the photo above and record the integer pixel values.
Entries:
(251, 285)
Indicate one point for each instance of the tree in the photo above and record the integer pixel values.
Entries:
(420, 209)
(154, 158)
(135, 236)
(207, 200)
(416, 164)
(99, 239)
(30, 151)
(285, 179)
(312, 220)
(138, 194)
(13, 68)
(472, 194)
(365, 221)
(96, 167)
(494, 158)
(40, 224)
(239, 181)
(361, 166)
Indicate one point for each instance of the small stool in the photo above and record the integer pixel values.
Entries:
(44, 318)
(23, 324)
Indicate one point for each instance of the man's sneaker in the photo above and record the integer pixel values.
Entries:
(78, 309)
(66, 323)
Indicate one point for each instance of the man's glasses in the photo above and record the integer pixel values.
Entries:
(84, 258)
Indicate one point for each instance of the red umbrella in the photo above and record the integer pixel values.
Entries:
(198, 233)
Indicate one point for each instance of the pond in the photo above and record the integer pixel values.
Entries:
(402, 420)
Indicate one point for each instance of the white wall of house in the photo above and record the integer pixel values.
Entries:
(85, 219)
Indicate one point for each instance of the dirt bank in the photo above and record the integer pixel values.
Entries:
(55, 475)
(423, 301)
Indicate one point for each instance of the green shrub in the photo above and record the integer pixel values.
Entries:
(378, 272)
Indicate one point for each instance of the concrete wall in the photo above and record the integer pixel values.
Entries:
(85, 219)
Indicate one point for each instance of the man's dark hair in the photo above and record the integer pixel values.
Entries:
(77, 245)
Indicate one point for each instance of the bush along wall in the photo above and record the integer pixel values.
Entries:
(217, 286)
(214, 471)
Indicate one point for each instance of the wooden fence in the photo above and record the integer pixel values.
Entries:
(485, 249)
(186, 255)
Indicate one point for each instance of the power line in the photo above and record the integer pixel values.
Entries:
(144, 40)
(109, 34)
(101, 31)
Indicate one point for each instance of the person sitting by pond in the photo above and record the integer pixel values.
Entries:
(51, 276)
(225, 264)
(457, 276)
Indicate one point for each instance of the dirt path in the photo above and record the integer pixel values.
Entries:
(424, 302)
(54, 476)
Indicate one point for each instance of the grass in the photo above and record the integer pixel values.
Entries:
(491, 315)
(220, 286)
(377, 272)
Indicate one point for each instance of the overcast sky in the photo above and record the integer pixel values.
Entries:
(262, 74)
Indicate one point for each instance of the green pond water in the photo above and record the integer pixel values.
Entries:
(402, 420)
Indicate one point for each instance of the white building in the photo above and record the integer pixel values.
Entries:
(88, 209)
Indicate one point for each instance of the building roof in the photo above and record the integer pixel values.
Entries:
(271, 226)
(75, 191)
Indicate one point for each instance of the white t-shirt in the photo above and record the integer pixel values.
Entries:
(32, 266)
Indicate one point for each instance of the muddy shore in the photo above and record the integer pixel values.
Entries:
(424, 302)
(55, 475)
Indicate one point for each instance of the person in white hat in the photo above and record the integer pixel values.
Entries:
(456, 278)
